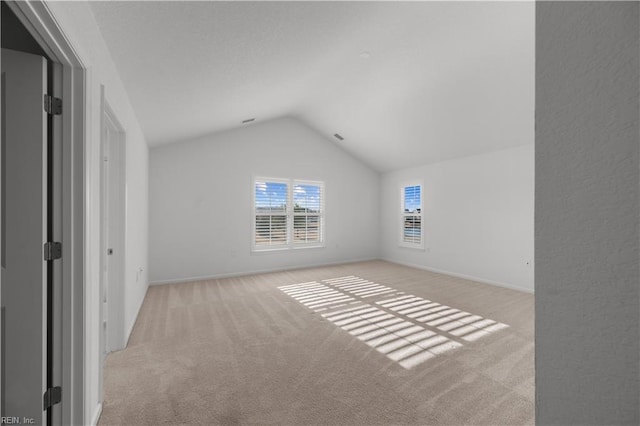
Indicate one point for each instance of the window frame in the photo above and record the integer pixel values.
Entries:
(290, 214)
(254, 215)
(320, 214)
(403, 215)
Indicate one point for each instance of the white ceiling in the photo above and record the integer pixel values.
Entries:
(443, 80)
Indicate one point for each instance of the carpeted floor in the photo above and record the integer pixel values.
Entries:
(370, 343)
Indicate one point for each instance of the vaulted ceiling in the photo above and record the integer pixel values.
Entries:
(404, 83)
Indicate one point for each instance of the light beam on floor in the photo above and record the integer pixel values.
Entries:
(405, 328)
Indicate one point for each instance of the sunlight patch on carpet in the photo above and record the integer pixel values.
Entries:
(405, 328)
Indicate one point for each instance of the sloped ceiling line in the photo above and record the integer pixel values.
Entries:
(440, 80)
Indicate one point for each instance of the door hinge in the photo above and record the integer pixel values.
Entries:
(52, 105)
(52, 397)
(52, 250)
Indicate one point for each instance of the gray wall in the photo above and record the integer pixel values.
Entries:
(201, 201)
(586, 236)
(477, 216)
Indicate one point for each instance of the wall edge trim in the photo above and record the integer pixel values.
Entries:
(258, 271)
(96, 414)
(463, 276)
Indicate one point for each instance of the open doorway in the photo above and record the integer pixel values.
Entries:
(31, 320)
(41, 286)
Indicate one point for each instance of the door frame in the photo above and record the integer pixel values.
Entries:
(113, 152)
(43, 26)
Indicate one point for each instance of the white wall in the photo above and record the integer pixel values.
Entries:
(477, 213)
(201, 195)
(137, 230)
(587, 218)
(77, 22)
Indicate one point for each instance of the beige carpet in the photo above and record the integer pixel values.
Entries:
(358, 344)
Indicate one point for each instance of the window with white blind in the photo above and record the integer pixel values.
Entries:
(271, 206)
(287, 214)
(411, 231)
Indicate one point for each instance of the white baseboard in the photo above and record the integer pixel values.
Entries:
(96, 414)
(260, 271)
(463, 276)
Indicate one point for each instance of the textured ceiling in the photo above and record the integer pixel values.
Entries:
(443, 79)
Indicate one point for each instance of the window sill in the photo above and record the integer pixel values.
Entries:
(262, 251)
(314, 246)
(269, 250)
(409, 247)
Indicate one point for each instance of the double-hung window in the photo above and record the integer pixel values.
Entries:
(271, 204)
(287, 214)
(307, 212)
(411, 230)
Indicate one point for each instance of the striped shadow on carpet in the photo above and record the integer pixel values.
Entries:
(239, 350)
(407, 329)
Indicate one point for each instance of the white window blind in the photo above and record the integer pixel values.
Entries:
(287, 214)
(411, 216)
(271, 200)
(308, 212)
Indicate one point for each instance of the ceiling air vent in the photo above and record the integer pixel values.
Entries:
(337, 136)
(248, 120)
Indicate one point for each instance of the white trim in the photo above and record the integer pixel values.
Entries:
(463, 276)
(41, 23)
(112, 175)
(112, 233)
(286, 249)
(36, 16)
(258, 271)
(96, 414)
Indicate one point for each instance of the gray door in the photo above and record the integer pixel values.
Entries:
(24, 221)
